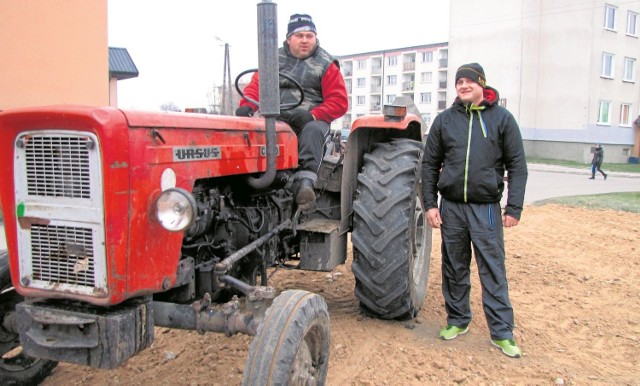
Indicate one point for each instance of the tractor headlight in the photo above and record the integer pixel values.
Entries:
(175, 209)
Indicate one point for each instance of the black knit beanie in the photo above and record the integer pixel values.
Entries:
(300, 22)
(472, 71)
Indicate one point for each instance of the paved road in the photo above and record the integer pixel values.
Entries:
(548, 181)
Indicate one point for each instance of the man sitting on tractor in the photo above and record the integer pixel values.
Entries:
(325, 99)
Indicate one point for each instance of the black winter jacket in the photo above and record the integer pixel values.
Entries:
(598, 155)
(467, 151)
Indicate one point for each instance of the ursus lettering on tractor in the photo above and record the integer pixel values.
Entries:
(119, 221)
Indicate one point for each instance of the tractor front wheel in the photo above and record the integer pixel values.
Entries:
(16, 368)
(292, 343)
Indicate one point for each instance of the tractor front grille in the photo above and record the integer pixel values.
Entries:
(58, 166)
(60, 208)
(62, 254)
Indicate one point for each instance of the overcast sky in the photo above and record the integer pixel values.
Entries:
(178, 45)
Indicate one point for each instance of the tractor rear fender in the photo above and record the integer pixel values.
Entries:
(366, 132)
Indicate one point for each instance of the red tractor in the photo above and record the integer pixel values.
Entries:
(119, 221)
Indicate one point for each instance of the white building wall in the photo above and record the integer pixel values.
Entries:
(545, 59)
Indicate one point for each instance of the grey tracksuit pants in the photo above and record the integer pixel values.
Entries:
(480, 226)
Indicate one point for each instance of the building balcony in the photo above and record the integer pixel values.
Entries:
(442, 105)
(408, 86)
(376, 70)
(442, 84)
(348, 72)
(375, 107)
(444, 62)
(376, 89)
(409, 66)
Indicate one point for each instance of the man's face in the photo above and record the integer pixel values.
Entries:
(469, 91)
(302, 44)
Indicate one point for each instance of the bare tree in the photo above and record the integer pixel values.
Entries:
(213, 99)
(169, 106)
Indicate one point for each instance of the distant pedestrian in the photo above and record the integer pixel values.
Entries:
(337, 143)
(596, 162)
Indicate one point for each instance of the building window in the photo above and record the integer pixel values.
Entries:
(425, 97)
(610, 17)
(391, 98)
(632, 24)
(629, 66)
(426, 118)
(604, 108)
(427, 57)
(392, 79)
(362, 82)
(607, 65)
(362, 64)
(347, 68)
(625, 115)
(426, 77)
(360, 100)
(393, 60)
(444, 58)
(346, 122)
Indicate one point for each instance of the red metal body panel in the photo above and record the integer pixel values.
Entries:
(240, 141)
(378, 121)
(110, 126)
(142, 256)
(365, 133)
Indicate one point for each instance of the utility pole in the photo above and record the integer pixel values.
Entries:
(227, 94)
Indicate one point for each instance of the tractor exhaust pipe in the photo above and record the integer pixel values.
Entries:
(269, 86)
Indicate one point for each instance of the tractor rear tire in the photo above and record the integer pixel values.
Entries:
(292, 343)
(391, 238)
(17, 368)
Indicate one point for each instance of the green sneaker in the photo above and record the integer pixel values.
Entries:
(508, 346)
(451, 332)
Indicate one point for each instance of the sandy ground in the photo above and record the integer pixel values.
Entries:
(574, 281)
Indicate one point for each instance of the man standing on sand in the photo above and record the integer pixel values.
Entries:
(467, 151)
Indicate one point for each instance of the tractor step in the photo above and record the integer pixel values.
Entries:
(322, 247)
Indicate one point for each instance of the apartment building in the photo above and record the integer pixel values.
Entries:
(566, 69)
(376, 78)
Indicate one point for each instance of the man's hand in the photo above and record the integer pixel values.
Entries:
(433, 217)
(509, 221)
(298, 118)
(244, 111)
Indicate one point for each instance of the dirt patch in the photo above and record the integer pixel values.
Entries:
(574, 278)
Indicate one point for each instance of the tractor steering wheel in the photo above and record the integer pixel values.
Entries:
(283, 106)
